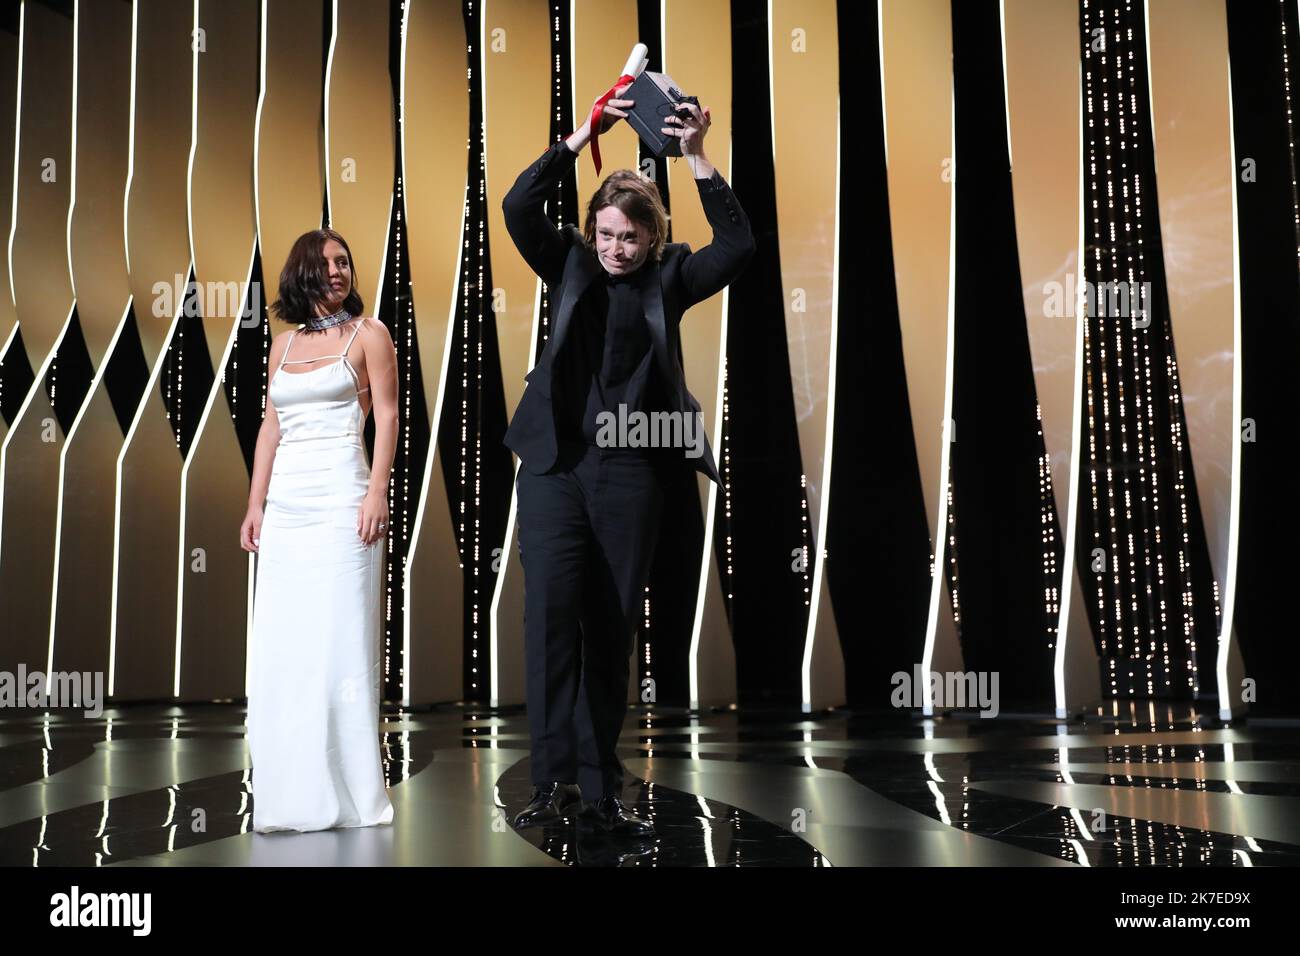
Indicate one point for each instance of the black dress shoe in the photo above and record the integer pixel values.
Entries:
(608, 814)
(549, 802)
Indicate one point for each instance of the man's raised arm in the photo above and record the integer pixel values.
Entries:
(534, 235)
(709, 270)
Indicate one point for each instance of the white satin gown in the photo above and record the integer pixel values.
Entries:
(313, 681)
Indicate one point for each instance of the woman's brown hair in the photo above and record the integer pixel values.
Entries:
(638, 199)
(304, 280)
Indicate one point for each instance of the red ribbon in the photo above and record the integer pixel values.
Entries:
(597, 111)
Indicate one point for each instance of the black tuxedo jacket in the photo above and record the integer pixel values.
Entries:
(567, 265)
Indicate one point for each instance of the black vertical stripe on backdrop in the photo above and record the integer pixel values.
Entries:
(16, 377)
(247, 372)
(67, 380)
(995, 475)
(16, 371)
(878, 535)
(1270, 342)
(675, 572)
(398, 313)
(649, 21)
(127, 372)
(767, 610)
(485, 423)
(563, 205)
(327, 37)
(187, 375)
(1132, 608)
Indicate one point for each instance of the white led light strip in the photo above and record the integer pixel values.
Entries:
(1234, 499)
(1076, 442)
(431, 461)
(941, 521)
(823, 518)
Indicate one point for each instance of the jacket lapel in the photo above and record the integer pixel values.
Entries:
(653, 297)
(585, 270)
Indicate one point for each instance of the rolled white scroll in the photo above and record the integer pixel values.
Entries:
(637, 61)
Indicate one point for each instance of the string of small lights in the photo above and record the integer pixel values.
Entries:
(1136, 455)
(1052, 581)
(728, 568)
(555, 207)
(174, 367)
(472, 286)
(397, 311)
(953, 590)
(399, 483)
(805, 537)
(1290, 121)
(1112, 544)
(265, 358)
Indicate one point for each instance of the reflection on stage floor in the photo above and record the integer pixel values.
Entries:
(172, 786)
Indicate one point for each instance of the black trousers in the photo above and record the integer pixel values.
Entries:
(587, 532)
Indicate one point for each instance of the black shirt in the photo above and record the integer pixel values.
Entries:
(606, 359)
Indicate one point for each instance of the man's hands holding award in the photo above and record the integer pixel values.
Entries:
(682, 122)
(689, 123)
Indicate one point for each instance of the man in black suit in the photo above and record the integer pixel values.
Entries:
(591, 492)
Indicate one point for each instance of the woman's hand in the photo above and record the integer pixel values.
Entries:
(250, 532)
(372, 518)
(690, 129)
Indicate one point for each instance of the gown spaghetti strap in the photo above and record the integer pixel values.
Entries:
(313, 680)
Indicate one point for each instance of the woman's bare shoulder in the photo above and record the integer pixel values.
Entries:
(374, 331)
(278, 342)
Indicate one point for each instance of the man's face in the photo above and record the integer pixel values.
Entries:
(621, 244)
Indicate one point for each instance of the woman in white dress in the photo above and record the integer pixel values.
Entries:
(317, 519)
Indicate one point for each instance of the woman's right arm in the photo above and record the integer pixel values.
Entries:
(268, 438)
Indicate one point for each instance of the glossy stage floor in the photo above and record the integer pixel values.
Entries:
(170, 786)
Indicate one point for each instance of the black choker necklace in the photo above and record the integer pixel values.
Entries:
(318, 322)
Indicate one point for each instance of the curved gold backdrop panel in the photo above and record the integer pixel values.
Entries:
(434, 180)
(96, 243)
(361, 139)
(916, 59)
(1041, 40)
(157, 205)
(805, 63)
(290, 149)
(698, 62)
(214, 571)
(143, 628)
(83, 574)
(29, 459)
(516, 52)
(1187, 42)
